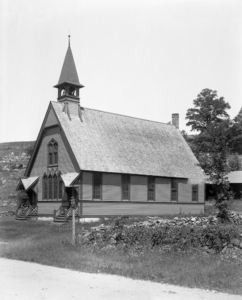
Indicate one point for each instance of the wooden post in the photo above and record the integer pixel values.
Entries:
(73, 221)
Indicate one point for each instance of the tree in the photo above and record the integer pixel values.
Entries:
(22, 198)
(236, 134)
(211, 145)
(209, 109)
(235, 162)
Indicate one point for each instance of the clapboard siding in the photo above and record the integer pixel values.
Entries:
(51, 119)
(184, 191)
(47, 208)
(129, 208)
(111, 187)
(87, 185)
(138, 188)
(41, 161)
(162, 189)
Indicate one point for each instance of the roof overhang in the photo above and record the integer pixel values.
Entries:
(27, 183)
(68, 82)
(69, 178)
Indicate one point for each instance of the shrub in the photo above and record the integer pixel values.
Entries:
(179, 238)
(22, 198)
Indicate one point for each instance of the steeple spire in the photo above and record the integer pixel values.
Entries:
(68, 84)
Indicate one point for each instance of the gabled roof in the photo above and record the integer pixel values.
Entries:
(114, 143)
(69, 72)
(27, 183)
(69, 178)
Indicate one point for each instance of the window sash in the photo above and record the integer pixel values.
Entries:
(53, 153)
(151, 188)
(50, 181)
(174, 190)
(125, 187)
(60, 189)
(45, 188)
(97, 182)
(55, 187)
(195, 192)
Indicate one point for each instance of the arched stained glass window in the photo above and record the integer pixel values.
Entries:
(53, 152)
(50, 179)
(45, 188)
(60, 188)
(55, 186)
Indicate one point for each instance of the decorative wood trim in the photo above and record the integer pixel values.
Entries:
(139, 202)
(42, 132)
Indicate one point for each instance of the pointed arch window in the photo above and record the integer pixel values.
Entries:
(50, 181)
(52, 186)
(60, 187)
(45, 187)
(55, 182)
(53, 152)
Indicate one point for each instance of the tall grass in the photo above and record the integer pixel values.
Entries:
(42, 242)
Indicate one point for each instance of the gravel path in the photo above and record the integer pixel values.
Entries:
(24, 280)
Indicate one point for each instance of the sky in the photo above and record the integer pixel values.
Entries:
(145, 58)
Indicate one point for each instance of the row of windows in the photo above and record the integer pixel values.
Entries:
(52, 187)
(97, 188)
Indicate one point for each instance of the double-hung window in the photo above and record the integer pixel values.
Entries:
(97, 186)
(174, 190)
(151, 188)
(125, 187)
(195, 192)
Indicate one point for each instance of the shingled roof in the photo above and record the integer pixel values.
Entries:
(108, 142)
(68, 72)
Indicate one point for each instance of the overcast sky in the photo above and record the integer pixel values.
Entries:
(144, 58)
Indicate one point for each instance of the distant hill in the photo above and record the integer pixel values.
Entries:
(14, 157)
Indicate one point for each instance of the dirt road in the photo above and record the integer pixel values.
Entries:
(24, 280)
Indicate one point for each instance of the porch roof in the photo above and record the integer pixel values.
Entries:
(69, 178)
(27, 182)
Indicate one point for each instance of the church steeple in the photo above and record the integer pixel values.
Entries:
(68, 85)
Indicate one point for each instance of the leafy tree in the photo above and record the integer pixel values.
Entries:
(22, 198)
(211, 145)
(236, 134)
(235, 162)
(208, 109)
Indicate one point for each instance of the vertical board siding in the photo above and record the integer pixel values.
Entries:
(163, 189)
(201, 192)
(87, 185)
(51, 119)
(128, 208)
(41, 161)
(47, 208)
(111, 187)
(184, 191)
(138, 188)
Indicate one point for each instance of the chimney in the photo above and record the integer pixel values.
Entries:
(175, 120)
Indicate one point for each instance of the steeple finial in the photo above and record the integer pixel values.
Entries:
(69, 37)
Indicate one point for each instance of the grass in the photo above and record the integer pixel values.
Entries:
(42, 242)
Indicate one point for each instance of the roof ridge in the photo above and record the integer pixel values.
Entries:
(112, 113)
(107, 112)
